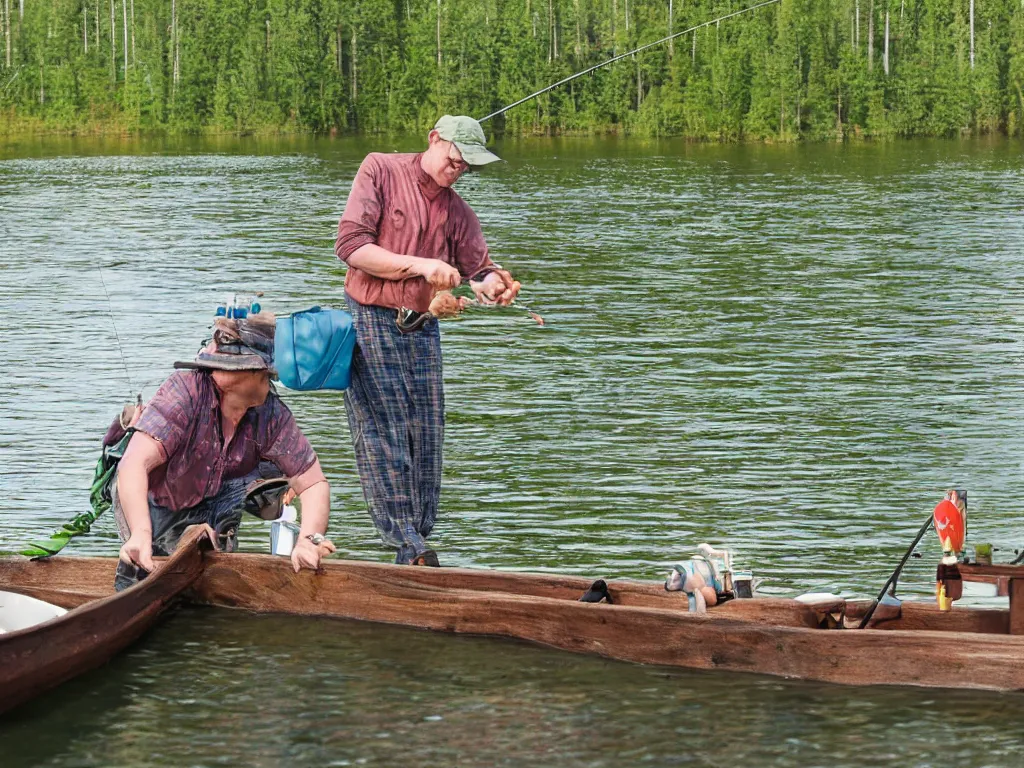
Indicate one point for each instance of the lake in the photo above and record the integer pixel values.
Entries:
(788, 350)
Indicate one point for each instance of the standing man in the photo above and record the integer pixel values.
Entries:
(406, 236)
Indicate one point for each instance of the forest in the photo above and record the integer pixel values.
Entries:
(797, 69)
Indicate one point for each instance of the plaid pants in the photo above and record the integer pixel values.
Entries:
(395, 409)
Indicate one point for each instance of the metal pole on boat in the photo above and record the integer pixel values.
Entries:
(896, 574)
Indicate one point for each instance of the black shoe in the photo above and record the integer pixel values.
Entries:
(598, 591)
(427, 557)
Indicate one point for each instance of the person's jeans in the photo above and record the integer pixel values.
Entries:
(222, 512)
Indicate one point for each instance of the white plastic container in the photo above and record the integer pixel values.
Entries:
(20, 612)
(284, 532)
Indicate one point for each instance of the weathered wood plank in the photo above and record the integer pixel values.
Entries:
(1017, 606)
(65, 581)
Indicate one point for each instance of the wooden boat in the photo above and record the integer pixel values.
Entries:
(922, 646)
(100, 624)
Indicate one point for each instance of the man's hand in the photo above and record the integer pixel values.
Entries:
(446, 305)
(138, 551)
(306, 554)
(441, 276)
(498, 287)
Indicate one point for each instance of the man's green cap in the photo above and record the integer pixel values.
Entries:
(466, 134)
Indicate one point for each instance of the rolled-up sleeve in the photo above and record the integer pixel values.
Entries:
(467, 240)
(360, 223)
(287, 448)
(167, 416)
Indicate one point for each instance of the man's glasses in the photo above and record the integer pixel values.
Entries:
(456, 163)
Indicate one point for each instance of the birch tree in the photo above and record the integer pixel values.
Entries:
(135, 61)
(871, 36)
(671, 42)
(972, 34)
(885, 53)
(7, 34)
(113, 43)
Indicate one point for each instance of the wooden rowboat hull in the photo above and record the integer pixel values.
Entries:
(38, 658)
(924, 647)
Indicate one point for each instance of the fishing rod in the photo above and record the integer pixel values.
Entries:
(621, 56)
(896, 574)
(537, 317)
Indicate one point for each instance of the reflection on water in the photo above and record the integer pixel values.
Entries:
(788, 350)
(229, 687)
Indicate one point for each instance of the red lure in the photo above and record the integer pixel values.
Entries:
(950, 525)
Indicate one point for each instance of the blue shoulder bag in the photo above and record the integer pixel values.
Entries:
(313, 349)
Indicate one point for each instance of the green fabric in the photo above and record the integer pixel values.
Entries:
(468, 136)
(99, 498)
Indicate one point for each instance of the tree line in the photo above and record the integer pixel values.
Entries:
(819, 69)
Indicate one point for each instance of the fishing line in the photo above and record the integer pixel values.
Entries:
(612, 60)
(621, 56)
(117, 337)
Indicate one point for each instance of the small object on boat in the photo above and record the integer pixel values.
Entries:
(949, 585)
(598, 591)
(828, 607)
(889, 608)
(707, 578)
(983, 554)
(284, 532)
(20, 612)
(950, 517)
(814, 598)
(743, 584)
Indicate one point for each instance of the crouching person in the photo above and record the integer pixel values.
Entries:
(207, 435)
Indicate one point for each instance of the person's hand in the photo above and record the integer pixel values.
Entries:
(306, 554)
(138, 551)
(445, 304)
(441, 276)
(497, 287)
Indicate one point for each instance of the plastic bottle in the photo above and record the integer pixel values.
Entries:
(284, 532)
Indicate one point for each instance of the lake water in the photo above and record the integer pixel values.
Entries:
(792, 351)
